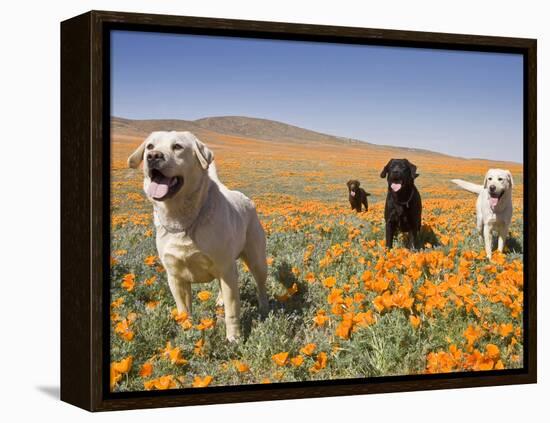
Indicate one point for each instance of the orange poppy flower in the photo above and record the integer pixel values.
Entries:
(280, 359)
(114, 378)
(122, 328)
(150, 281)
(329, 282)
(146, 369)
(161, 384)
(335, 296)
(472, 334)
(308, 349)
(320, 319)
(320, 363)
(117, 303)
(128, 282)
(492, 350)
(203, 382)
(297, 361)
(241, 366)
(364, 319)
(204, 295)
(173, 354)
(205, 324)
(151, 305)
(123, 366)
(150, 260)
(310, 277)
(199, 345)
(414, 320)
(505, 329)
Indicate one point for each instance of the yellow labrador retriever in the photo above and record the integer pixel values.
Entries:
(494, 206)
(202, 227)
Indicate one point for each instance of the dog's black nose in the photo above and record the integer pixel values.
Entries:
(154, 155)
(492, 188)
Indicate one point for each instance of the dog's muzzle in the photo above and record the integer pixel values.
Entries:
(155, 159)
(494, 196)
(161, 186)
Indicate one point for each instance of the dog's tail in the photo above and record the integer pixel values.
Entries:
(468, 186)
(367, 193)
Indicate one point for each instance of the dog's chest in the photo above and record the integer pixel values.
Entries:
(491, 217)
(495, 220)
(182, 257)
(399, 216)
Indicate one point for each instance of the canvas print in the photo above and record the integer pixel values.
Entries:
(288, 211)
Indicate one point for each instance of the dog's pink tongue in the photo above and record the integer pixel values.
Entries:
(395, 187)
(352, 193)
(158, 188)
(493, 201)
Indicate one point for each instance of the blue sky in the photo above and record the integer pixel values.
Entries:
(466, 104)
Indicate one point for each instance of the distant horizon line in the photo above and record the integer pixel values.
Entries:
(322, 133)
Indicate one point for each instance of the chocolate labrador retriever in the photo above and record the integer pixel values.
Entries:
(403, 211)
(357, 196)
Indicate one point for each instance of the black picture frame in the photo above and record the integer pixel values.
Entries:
(85, 159)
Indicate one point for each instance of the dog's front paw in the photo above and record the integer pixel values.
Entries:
(219, 300)
(263, 307)
(233, 339)
(233, 332)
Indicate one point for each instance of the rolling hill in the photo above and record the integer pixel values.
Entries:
(245, 127)
(253, 133)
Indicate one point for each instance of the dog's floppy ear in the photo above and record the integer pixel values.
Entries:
(358, 184)
(203, 153)
(386, 169)
(348, 183)
(137, 156)
(510, 178)
(412, 168)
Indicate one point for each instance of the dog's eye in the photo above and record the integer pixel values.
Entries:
(150, 146)
(490, 179)
(500, 179)
(177, 146)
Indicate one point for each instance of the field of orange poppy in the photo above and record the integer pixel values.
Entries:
(341, 304)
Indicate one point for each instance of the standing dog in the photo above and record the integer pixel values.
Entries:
(403, 210)
(357, 196)
(201, 226)
(494, 206)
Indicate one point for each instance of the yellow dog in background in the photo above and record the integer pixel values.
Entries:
(494, 206)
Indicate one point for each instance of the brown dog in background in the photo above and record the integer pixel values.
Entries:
(357, 196)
